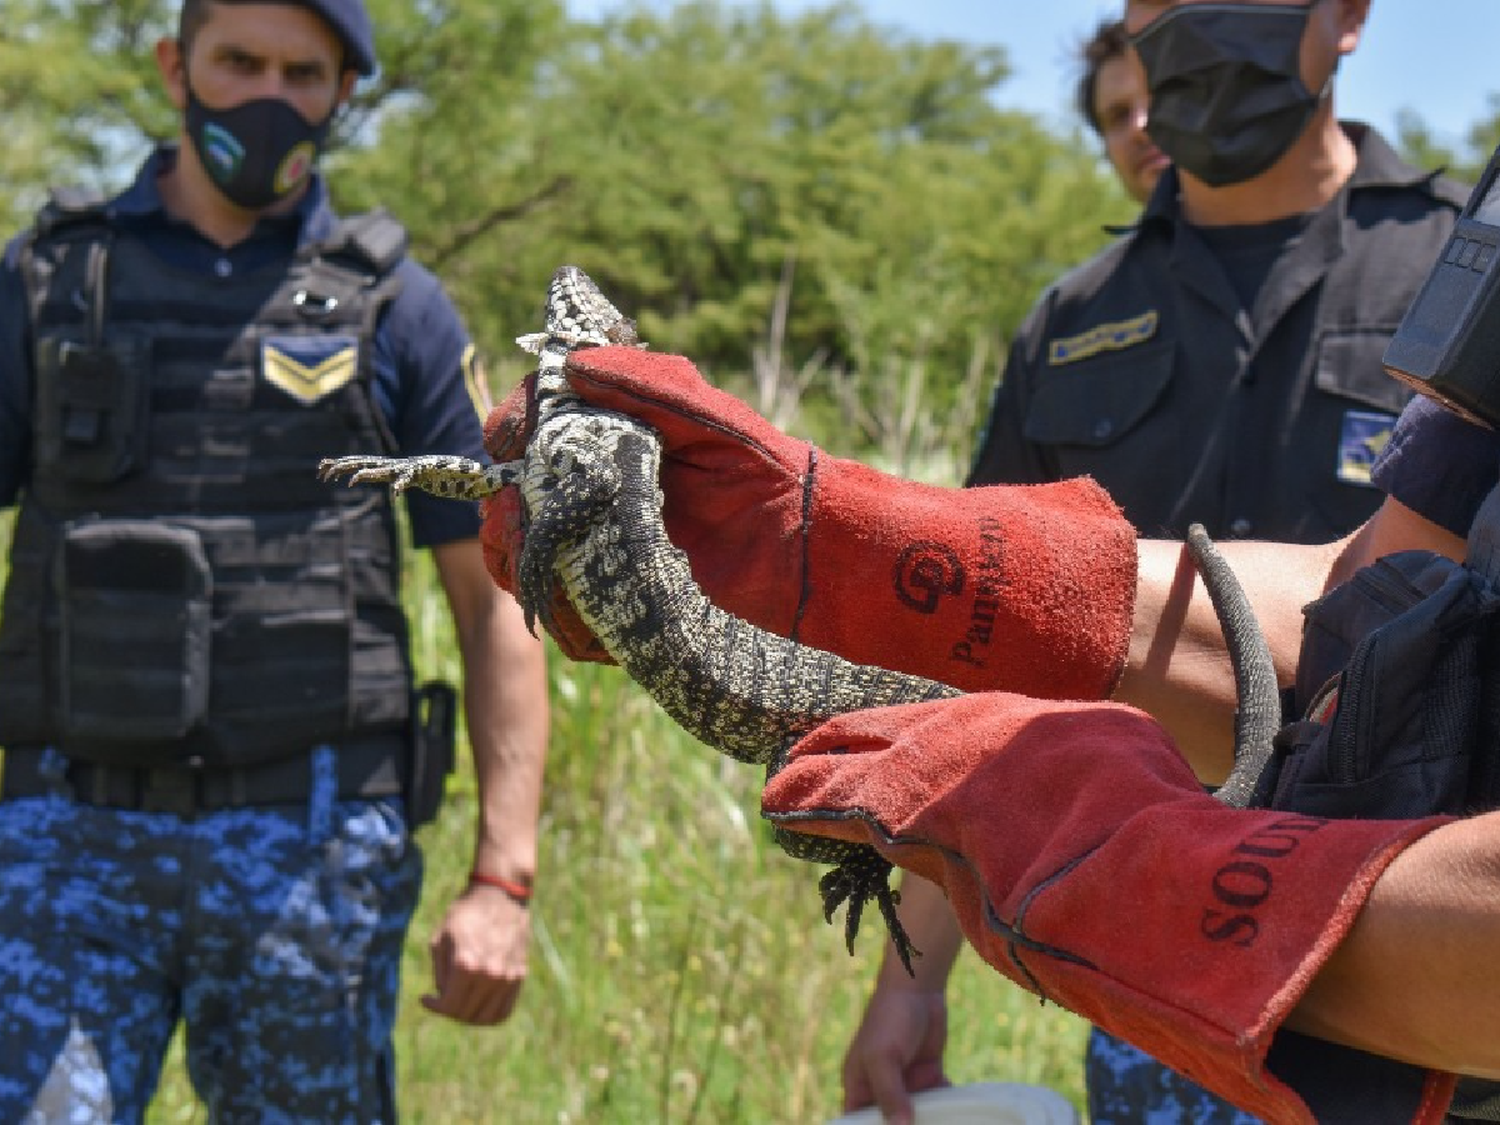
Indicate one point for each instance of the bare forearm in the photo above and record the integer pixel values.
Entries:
(505, 704)
(1415, 978)
(1179, 670)
(933, 929)
(508, 723)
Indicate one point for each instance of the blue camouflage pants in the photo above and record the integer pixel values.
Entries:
(1126, 1086)
(274, 934)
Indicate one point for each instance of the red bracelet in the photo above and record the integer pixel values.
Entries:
(518, 891)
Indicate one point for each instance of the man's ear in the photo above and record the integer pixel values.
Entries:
(170, 62)
(346, 88)
(1352, 17)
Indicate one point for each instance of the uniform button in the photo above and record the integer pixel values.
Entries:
(1103, 428)
(223, 267)
(1241, 528)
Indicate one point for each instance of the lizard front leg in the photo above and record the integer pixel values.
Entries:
(445, 475)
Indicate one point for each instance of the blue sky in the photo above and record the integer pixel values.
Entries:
(1438, 57)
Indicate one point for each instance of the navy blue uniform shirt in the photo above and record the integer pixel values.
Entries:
(1438, 465)
(424, 379)
(1148, 369)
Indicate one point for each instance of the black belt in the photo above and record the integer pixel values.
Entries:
(367, 768)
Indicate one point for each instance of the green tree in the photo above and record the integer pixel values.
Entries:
(726, 172)
(1417, 144)
(706, 163)
(76, 93)
(1484, 138)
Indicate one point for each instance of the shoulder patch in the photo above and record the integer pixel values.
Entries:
(1361, 438)
(309, 367)
(1111, 337)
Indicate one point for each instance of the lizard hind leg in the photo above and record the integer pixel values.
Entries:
(860, 875)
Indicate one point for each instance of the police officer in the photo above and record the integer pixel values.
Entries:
(1111, 96)
(214, 753)
(1219, 364)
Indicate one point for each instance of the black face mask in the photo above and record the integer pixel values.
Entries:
(257, 152)
(1227, 96)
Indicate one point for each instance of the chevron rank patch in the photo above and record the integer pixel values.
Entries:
(1112, 337)
(1361, 438)
(309, 368)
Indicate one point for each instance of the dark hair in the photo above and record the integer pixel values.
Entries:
(1109, 41)
(192, 17)
(194, 14)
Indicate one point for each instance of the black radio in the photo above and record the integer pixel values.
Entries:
(1448, 345)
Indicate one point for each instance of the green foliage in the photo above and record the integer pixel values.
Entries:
(702, 162)
(697, 161)
(76, 93)
(1416, 144)
(1484, 138)
(682, 970)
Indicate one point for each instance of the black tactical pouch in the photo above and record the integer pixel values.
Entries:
(91, 408)
(133, 657)
(92, 387)
(1407, 727)
(434, 725)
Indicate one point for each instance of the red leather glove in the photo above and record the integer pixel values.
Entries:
(1085, 863)
(1026, 588)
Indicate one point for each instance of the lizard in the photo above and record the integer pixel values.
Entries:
(588, 482)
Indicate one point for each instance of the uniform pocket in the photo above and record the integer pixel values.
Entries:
(1097, 402)
(135, 601)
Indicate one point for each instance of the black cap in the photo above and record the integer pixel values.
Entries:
(352, 22)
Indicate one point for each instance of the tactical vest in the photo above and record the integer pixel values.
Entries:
(183, 589)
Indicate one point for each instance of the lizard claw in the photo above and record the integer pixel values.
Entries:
(453, 477)
(533, 342)
(862, 875)
(363, 470)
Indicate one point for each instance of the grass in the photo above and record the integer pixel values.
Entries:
(681, 968)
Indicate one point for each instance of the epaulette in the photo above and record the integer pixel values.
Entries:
(376, 239)
(67, 206)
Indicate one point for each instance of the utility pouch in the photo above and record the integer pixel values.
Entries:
(1401, 731)
(434, 726)
(135, 628)
(91, 407)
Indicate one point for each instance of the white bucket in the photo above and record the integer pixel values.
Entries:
(980, 1103)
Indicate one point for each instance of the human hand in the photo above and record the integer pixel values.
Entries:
(897, 1051)
(479, 957)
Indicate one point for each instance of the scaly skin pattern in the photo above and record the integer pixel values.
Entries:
(588, 483)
